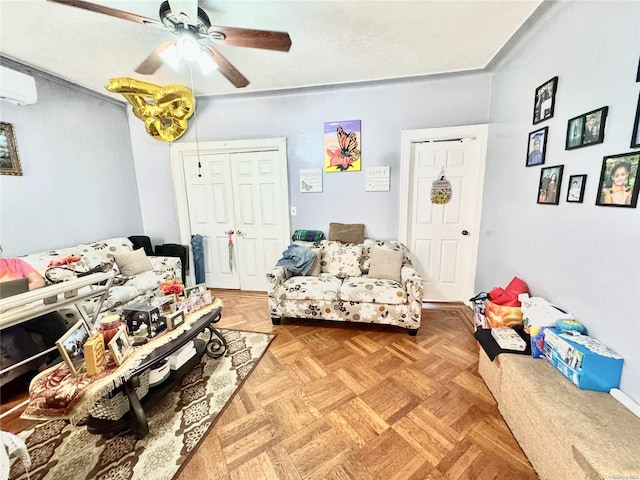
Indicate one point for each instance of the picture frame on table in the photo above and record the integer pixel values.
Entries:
(545, 100)
(586, 129)
(575, 192)
(619, 184)
(200, 299)
(550, 184)
(71, 346)
(120, 346)
(181, 306)
(537, 149)
(174, 320)
(635, 135)
(199, 288)
(9, 159)
(164, 303)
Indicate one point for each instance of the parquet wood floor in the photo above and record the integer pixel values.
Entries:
(331, 400)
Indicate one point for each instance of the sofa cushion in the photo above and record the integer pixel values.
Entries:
(346, 232)
(368, 244)
(375, 290)
(324, 287)
(132, 263)
(386, 264)
(342, 260)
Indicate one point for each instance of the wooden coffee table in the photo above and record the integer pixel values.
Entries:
(136, 420)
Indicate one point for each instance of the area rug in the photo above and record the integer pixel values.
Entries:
(177, 424)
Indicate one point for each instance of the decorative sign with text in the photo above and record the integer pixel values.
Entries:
(377, 179)
(311, 180)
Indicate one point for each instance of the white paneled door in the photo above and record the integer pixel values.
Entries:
(234, 186)
(443, 238)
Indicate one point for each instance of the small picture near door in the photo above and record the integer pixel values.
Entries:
(545, 100)
(549, 186)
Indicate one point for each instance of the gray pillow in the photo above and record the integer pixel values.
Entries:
(132, 263)
(386, 264)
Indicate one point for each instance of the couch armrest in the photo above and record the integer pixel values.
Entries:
(167, 264)
(412, 282)
(275, 278)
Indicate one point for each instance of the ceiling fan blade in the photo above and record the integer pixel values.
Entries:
(153, 62)
(109, 11)
(246, 37)
(228, 70)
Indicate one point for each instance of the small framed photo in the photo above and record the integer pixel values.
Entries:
(635, 136)
(575, 192)
(545, 100)
(164, 303)
(9, 160)
(181, 306)
(619, 183)
(199, 288)
(549, 186)
(537, 147)
(120, 346)
(71, 346)
(586, 129)
(200, 299)
(174, 320)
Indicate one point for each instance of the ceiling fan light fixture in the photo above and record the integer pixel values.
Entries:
(206, 62)
(188, 47)
(171, 56)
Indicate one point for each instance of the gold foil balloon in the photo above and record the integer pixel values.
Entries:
(164, 110)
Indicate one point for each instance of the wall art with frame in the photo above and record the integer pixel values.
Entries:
(9, 159)
(545, 100)
(575, 192)
(635, 136)
(537, 149)
(71, 346)
(586, 129)
(549, 186)
(619, 185)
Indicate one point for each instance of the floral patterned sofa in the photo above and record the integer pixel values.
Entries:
(125, 289)
(344, 290)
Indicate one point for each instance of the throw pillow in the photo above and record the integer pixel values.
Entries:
(385, 264)
(132, 263)
(342, 260)
(316, 268)
(346, 232)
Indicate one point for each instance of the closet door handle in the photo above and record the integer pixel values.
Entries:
(465, 233)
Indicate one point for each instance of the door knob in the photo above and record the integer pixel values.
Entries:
(465, 232)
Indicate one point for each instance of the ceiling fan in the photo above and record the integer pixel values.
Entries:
(191, 24)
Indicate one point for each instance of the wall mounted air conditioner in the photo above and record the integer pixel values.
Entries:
(16, 87)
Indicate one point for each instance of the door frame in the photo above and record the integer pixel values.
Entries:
(408, 137)
(278, 144)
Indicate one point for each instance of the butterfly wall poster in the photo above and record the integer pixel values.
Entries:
(342, 146)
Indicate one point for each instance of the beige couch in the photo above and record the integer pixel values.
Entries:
(566, 432)
(372, 282)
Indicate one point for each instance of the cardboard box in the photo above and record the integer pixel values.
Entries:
(585, 361)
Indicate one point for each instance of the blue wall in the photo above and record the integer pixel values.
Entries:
(78, 183)
(384, 109)
(583, 257)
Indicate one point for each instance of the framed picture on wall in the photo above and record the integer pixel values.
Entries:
(544, 101)
(586, 129)
(575, 192)
(9, 160)
(537, 147)
(619, 183)
(635, 136)
(549, 186)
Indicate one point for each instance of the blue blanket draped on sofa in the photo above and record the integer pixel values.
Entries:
(297, 259)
